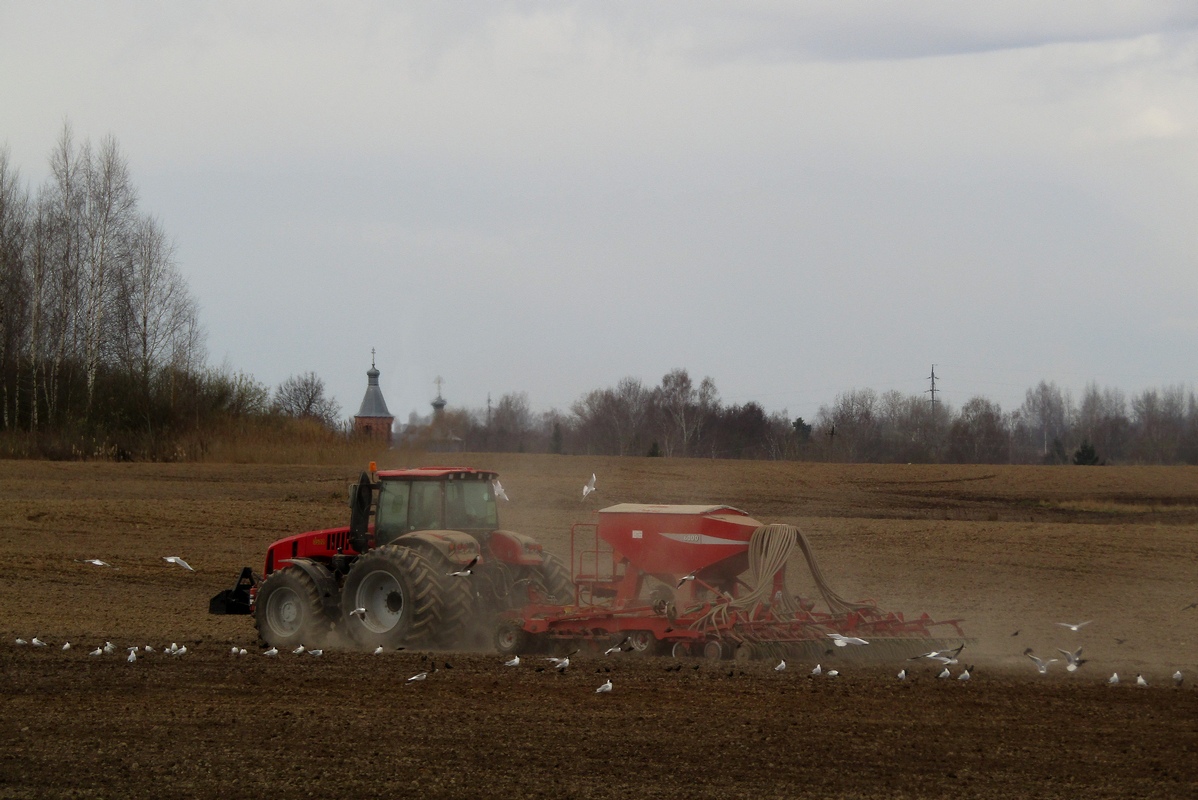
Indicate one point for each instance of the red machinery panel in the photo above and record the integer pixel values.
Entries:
(676, 539)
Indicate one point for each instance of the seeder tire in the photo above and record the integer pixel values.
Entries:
(403, 596)
(288, 610)
(511, 639)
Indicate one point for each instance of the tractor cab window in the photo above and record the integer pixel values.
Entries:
(425, 511)
(470, 505)
(392, 518)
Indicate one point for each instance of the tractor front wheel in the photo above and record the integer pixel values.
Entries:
(401, 597)
(288, 610)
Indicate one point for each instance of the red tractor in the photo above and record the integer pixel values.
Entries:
(423, 563)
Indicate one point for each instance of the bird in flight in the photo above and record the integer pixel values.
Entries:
(95, 562)
(686, 578)
(1075, 659)
(358, 612)
(1075, 627)
(845, 641)
(498, 489)
(178, 561)
(943, 656)
(606, 687)
(1041, 664)
(618, 647)
(588, 487)
(466, 571)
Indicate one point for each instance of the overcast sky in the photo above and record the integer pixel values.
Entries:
(796, 199)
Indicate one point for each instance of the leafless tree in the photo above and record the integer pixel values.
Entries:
(303, 397)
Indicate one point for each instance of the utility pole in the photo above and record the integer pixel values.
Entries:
(933, 390)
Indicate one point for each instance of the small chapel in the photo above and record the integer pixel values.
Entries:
(373, 420)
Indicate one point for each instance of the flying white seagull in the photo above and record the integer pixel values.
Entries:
(1075, 627)
(1075, 658)
(358, 612)
(178, 561)
(498, 488)
(615, 648)
(1042, 664)
(604, 688)
(95, 562)
(943, 656)
(466, 571)
(589, 487)
(686, 578)
(109, 648)
(845, 641)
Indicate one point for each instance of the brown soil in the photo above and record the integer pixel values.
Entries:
(1006, 548)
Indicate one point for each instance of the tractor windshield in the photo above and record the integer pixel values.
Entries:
(470, 505)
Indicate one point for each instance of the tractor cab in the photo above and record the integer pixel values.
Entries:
(434, 498)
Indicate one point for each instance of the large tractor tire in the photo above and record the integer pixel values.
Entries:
(403, 596)
(288, 610)
(457, 603)
(554, 580)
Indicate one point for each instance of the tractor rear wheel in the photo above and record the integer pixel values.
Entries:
(554, 579)
(456, 604)
(402, 596)
(288, 610)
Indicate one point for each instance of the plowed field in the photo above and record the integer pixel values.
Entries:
(1012, 550)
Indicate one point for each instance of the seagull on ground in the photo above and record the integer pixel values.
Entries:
(616, 648)
(1140, 681)
(902, 676)
(513, 662)
(148, 649)
(686, 578)
(781, 666)
(66, 646)
(97, 652)
(378, 650)
(1114, 679)
(234, 651)
(606, 687)
(94, 562)
(182, 651)
(964, 676)
(317, 653)
(467, 571)
(21, 642)
(498, 489)
(845, 641)
(1075, 627)
(38, 642)
(419, 676)
(589, 487)
(359, 612)
(945, 674)
(1177, 678)
(1075, 658)
(1041, 664)
(299, 650)
(274, 651)
(833, 673)
(179, 561)
(132, 656)
(109, 648)
(818, 670)
(241, 652)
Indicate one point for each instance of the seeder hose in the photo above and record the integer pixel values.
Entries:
(770, 547)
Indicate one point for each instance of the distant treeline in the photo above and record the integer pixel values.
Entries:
(102, 356)
(678, 418)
